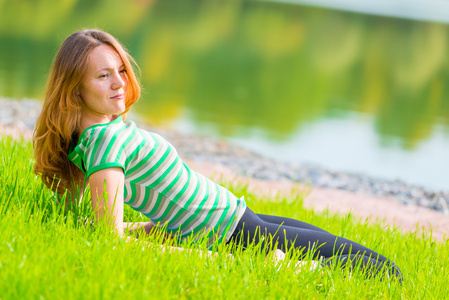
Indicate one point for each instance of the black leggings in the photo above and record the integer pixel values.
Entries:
(285, 232)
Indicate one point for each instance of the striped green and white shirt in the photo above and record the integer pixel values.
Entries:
(157, 182)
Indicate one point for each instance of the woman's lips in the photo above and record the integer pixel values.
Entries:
(119, 96)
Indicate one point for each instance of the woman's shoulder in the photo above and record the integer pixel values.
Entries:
(119, 133)
(101, 128)
(103, 138)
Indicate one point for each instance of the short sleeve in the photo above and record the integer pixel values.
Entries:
(101, 147)
(106, 149)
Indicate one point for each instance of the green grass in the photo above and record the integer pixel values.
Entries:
(46, 253)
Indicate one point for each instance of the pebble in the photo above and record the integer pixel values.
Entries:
(23, 115)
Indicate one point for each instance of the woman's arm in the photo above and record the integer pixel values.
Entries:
(107, 190)
(131, 227)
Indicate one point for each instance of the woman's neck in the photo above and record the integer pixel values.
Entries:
(88, 120)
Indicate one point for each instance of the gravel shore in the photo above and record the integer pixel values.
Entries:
(20, 116)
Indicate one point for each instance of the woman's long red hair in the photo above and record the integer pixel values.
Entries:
(59, 122)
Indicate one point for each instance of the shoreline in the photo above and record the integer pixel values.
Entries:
(396, 203)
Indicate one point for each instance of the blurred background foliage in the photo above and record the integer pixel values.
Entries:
(246, 64)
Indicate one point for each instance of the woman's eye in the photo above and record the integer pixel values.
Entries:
(104, 75)
(123, 71)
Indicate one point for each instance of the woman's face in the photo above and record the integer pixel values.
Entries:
(103, 87)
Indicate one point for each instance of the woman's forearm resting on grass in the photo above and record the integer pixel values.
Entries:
(136, 227)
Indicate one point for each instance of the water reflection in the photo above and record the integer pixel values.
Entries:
(244, 64)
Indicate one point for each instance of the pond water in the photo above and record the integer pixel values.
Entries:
(346, 91)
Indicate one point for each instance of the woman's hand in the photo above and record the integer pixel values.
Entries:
(278, 255)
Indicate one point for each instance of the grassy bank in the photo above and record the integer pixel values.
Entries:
(46, 253)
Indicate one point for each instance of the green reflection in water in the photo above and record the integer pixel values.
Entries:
(242, 63)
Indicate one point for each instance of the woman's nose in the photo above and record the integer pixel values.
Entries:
(119, 81)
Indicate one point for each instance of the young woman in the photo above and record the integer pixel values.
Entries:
(82, 136)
